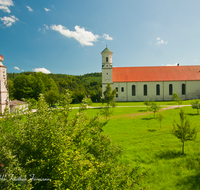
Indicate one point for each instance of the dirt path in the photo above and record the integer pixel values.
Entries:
(149, 112)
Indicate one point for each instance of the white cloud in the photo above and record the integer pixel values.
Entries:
(4, 4)
(195, 60)
(29, 8)
(8, 21)
(159, 41)
(17, 68)
(85, 38)
(175, 64)
(5, 9)
(43, 70)
(107, 37)
(47, 9)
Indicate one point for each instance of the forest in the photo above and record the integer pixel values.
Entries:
(28, 86)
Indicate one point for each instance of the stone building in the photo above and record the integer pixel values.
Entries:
(4, 97)
(154, 83)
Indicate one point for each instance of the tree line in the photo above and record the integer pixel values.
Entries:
(28, 85)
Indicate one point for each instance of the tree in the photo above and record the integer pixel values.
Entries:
(183, 131)
(154, 107)
(160, 118)
(69, 150)
(177, 99)
(196, 105)
(51, 97)
(106, 111)
(147, 103)
(23, 87)
(109, 96)
(11, 89)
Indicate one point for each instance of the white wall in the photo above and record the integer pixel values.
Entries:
(192, 90)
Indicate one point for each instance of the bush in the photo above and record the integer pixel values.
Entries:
(69, 151)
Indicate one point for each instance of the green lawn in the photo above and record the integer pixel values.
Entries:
(157, 150)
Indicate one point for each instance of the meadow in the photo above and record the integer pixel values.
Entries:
(154, 148)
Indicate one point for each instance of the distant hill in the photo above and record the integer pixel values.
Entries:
(79, 85)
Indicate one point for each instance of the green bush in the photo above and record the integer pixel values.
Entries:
(69, 151)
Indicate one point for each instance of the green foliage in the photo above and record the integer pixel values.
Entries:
(51, 97)
(109, 96)
(154, 107)
(11, 89)
(69, 150)
(183, 131)
(106, 111)
(80, 86)
(159, 117)
(147, 103)
(176, 98)
(196, 105)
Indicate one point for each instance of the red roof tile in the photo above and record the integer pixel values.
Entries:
(161, 73)
(1, 57)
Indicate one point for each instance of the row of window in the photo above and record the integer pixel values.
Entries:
(157, 89)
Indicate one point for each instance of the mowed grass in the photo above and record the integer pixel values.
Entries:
(154, 148)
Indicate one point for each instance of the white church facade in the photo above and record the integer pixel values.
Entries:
(154, 83)
(4, 96)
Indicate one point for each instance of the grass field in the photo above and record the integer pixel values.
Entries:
(157, 150)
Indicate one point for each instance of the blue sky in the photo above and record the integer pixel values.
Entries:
(62, 36)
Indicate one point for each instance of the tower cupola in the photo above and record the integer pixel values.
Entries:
(106, 56)
(1, 59)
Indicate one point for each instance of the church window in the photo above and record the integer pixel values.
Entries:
(145, 90)
(122, 89)
(116, 89)
(116, 95)
(106, 59)
(133, 90)
(183, 89)
(170, 89)
(157, 89)
(107, 73)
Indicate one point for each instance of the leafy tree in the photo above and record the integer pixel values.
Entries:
(23, 88)
(183, 131)
(51, 97)
(109, 96)
(147, 103)
(159, 117)
(107, 112)
(154, 107)
(69, 150)
(11, 89)
(176, 99)
(196, 105)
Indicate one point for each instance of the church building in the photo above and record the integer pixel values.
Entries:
(153, 83)
(4, 97)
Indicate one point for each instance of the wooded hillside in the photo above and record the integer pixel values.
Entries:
(30, 84)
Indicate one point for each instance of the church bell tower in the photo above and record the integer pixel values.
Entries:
(107, 70)
(4, 97)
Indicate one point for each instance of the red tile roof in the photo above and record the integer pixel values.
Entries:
(1, 57)
(161, 73)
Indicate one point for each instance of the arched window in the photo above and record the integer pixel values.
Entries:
(170, 89)
(106, 59)
(116, 89)
(122, 89)
(157, 89)
(145, 90)
(183, 89)
(133, 90)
